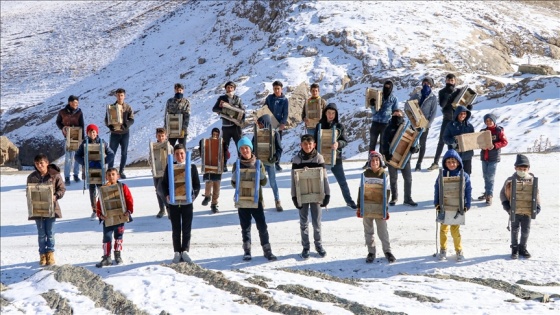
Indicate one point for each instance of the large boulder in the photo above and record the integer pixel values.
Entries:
(9, 153)
(52, 147)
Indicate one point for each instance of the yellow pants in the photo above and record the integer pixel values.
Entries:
(455, 233)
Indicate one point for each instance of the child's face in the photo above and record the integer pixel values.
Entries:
(180, 155)
(74, 104)
(112, 177)
(489, 122)
(522, 168)
(331, 114)
(314, 92)
(461, 116)
(120, 97)
(450, 81)
(161, 137)
(245, 152)
(451, 164)
(308, 146)
(261, 125)
(215, 135)
(230, 89)
(374, 164)
(277, 90)
(92, 134)
(42, 166)
(179, 90)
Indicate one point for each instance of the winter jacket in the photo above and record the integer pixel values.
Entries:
(457, 128)
(428, 107)
(127, 118)
(234, 101)
(314, 159)
(69, 117)
(211, 176)
(388, 105)
(176, 106)
(52, 178)
(267, 123)
(80, 158)
(324, 124)
(321, 101)
(371, 174)
(446, 97)
(388, 135)
(251, 164)
(279, 107)
(527, 178)
(127, 199)
(498, 140)
(195, 181)
(455, 172)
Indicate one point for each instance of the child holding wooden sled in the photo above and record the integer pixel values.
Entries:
(212, 181)
(161, 137)
(247, 160)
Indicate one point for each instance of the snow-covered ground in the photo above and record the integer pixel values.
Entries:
(216, 245)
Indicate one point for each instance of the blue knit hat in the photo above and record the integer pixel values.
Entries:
(244, 141)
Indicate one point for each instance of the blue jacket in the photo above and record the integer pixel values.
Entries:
(79, 156)
(267, 122)
(387, 107)
(279, 107)
(457, 128)
(455, 172)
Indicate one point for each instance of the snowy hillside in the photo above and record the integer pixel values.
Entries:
(91, 48)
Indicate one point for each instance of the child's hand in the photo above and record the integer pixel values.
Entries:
(102, 217)
(126, 214)
(334, 145)
(167, 198)
(506, 205)
(358, 213)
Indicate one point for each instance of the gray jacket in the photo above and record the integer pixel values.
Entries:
(429, 107)
(298, 162)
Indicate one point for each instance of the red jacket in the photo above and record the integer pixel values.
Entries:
(498, 140)
(127, 199)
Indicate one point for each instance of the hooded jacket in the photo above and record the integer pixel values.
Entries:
(457, 128)
(388, 105)
(80, 158)
(324, 124)
(446, 97)
(267, 123)
(279, 106)
(498, 140)
(455, 172)
(51, 178)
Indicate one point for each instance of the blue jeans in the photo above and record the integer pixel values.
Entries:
(114, 141)
(68, 160)
(45, 232)
(271, 170)
(338, 172)
(311, 131)
(488, 172)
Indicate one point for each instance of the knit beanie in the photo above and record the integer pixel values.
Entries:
(230, 83)
(244, 141)
(429, 80)
(92, 127)
(522, 160)
(491, 116)
(373, 154)
(72, 98)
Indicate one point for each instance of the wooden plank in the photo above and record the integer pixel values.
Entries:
(465, 97)
(40, 202)
(174, 124)
(247, 187)
(212, 156)
(474, 140)
(376, 95)
(158, 155)
(309, 185)
(113, 205)
(95, 176)
(403, 145)
(114, 116)
(313, 112)
(326, 143)
(73, 138)
(264, 110)
(263, 137)
(233, 114)
(94, 152)
(415, 115)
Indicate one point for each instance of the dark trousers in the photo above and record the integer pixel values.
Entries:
(108, 232)
(121, 140)
(160, 199)
(407, 176)
(93, 195)
(182, 141)
(280, 133)
(422, 151)
(376, 131)
(440, 142)
(467, 166)
(228, 133)
(181, 217)
(245, 215)
(525, 222)
(338, 172)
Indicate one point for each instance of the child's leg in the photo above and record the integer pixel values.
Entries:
(525, 229)
(407, 177)
(175, 217)
(107, 239)
(368, 234)
(393, 177)
(161, 203)
(444, 228)
(338, 172)
(92, 196)
(215, 192)
(456, 234)
(41, 235)
(208, 188)
(260, 221)
(245, 222)
(186, 226)
(118, 233)
(467, 166)
(271, 171)
(304, 225)
(383, 234)
(49, 234)
(515, 230)
(316, 214)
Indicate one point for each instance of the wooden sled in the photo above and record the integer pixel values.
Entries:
(113, 205)
(180, 181)
(465, 97)
(174, 125)
(415, 114)
(313, 112)
(40, 201)
(405, 138)
(374, 196)
(233, 114)
(522, 197)
(264, 110)
(451, 199)
(73, 138)
(309, 185)
(212, 158)
(95, 152)
(115, 116)
(263, 143)
(376, 95)
(474, 140)
(325, 139)
(247, 184)
(158, 157)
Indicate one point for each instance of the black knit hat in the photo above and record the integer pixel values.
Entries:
(72, 98)
(429, 80)
(522, 160)
(230, 83)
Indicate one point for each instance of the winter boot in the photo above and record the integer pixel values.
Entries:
(523, 251)
(67, 181)
(321, 251)
(50, 258)
(77, 178)
(268, 253)
(214, 208)
(176, 257)
(460, 256)
(514, 252)
(118, 259)
(442, 254)
(122, 175)
(433, 167)
(43, 260)
(278, 167)
(106, 261)
(93, 216)
(279, 206)
(206, 200)
(352, 205)
(482, 197)
(488, 200)
(185, 257)
(418, 168)
(411, 203)
(390, 257)
(305, 253)
(247, 251)
(160, 214)
(370, 257)
(393, 201)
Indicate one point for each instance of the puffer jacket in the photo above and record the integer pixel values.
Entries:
(457, 128)
(52, 178)
(498, 140)
(455, 172)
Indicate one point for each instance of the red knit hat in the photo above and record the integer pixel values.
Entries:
(92, 127)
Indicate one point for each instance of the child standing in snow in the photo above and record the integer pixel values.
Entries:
(212, 181)
(161, 137)
(452, 165)
(314, 99)
(459, 126)
(112, 177)
(248, 160)
(522, 214)
(490, 157)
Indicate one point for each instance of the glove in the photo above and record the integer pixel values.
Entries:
(294, 199)
(388, 157)
(388, 216)
(438, 207)
(506, 205)
(326, 201)
(469, 107)
(538, 209)
(358, 213)
(111, 127)
(272, 160)
(95, 164)
(415, 149)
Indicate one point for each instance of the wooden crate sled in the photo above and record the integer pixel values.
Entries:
(523, 200)
(376, 95)
(263, 145)
(40, 201)
(212, 156)
(180, 181)
(451, 199)
(73, 138)
(113, 204)
(233, 114)
(115, 116)
(313, 112)
(415, 114)
(326, 138)
(174, 125)
(247, 184)
(264, 110)
(405, 138)
(158, 157)
(309, 185)
(374, 196)
(474, 140)
(465, 97)
(95, 152)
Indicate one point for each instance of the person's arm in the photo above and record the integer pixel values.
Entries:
(217, 108)
(233, 170)
(79, 156)
(59, 121)
(129, 117)
(109, 154)
(468, 191)
(436, 192)
(502, 140)
(186, 116)
(81, 123)
(277, 146)
(128, 198)
(285, 109)
(59, 187)
(263, 177)
(341, 137)
(433, 110)
(394, 103)
(195, 181)
(448, 136)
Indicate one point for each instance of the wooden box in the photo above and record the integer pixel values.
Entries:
(452, 199)
(40, 201)
(474, 140)
(95, 152)
(73, 138)
(376, 95)
(264, 147)
(115, 115)
(247, 188)
(313, 112)
(174, 125)
(310, 186)
(415, 114)
(233, 114)
(179, 181)
(212, 156)
(524, 200)
(326, 139)
(158, 157)
(404, 140)
(264, 110)
(113, 205)
(375, 204)
(95, 176)
(465, 97)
